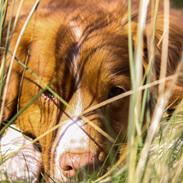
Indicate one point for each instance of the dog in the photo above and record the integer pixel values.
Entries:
(78, 51)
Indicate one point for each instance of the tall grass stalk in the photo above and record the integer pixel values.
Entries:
(158, 157)
(165, 40)
(135, 99)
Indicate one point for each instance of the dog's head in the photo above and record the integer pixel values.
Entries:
(83, 61)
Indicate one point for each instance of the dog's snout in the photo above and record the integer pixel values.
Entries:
(71, 163)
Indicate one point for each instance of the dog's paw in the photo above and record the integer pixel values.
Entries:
(21, 161)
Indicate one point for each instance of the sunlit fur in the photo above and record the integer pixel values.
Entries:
(81, 51)
(22, 161)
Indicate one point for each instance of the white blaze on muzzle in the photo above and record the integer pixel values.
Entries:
(76, 29)
(71, 138)
(21, 161)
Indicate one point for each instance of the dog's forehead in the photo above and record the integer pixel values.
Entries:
(105, 52)
(89, 56)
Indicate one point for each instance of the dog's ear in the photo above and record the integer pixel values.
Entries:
(175, 42)
(175, 48)
(11, 95)
(13, 88)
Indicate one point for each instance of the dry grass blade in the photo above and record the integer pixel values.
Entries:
(112, 171)
(165, 40)
(135, 100)
(156, 118)
(163, 139)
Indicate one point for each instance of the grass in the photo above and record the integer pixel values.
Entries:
(177, 3)
(156, 157)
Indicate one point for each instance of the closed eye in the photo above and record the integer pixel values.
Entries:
(48, 95)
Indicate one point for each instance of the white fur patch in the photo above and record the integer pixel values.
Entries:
(76, 30)
(70, 138)
(20, 163)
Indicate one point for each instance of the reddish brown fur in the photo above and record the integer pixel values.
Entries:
(103, 63)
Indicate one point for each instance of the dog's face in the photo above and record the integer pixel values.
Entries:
(96, 73)
(83, 69)
(85, 61)
(84, 73)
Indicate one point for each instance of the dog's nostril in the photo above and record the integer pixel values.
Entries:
(67, 168)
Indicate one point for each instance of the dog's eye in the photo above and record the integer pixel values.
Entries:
(115, 90)
(48, 95)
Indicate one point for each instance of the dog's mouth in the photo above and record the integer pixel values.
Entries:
(75, 157)
(81, 167)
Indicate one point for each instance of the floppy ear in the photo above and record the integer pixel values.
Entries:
(175, 49)
(11, 96)
(16, 74)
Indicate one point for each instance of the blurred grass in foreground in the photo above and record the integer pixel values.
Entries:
(177, 3)
(158, 159)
